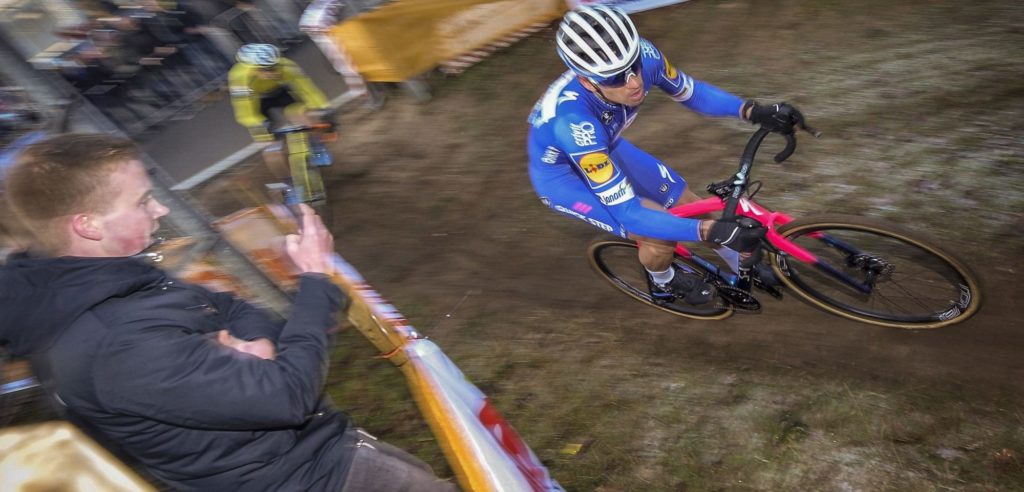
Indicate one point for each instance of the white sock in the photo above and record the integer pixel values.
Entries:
(662, 278)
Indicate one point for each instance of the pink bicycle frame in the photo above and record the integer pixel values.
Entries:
(770, 220)
(746, 208)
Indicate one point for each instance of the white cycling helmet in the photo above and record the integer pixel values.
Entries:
(597, 42)
(259, 54)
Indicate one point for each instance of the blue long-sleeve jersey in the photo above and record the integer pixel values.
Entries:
(574, 131)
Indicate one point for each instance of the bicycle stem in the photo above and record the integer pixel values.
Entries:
(742, 177)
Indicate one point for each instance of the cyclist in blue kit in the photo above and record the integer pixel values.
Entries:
(581, 166)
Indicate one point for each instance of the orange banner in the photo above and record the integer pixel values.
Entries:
(407, 37)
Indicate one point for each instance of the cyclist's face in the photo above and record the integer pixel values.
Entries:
(132, 216)
(268, 73)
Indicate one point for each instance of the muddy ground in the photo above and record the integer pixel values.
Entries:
(921, 107)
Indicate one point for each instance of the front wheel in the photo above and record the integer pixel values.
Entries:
(873, 272)
(616, 261)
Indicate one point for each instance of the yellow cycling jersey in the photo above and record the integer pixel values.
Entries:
(247, 87)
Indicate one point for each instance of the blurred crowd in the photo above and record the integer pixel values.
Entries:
(143, 61)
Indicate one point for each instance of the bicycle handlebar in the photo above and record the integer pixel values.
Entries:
(285, 130)
(742, 176)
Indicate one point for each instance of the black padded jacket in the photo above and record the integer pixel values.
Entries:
(130, 353)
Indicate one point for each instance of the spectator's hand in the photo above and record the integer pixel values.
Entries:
(310, 249)
(260, 347)
(779, 117)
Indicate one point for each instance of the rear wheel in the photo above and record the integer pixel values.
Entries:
(616, 261)
(913, 282)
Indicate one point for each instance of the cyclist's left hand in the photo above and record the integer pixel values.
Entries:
(779, 117)
(743, 235)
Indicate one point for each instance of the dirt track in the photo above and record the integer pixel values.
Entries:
(437, 211)
(921, 107)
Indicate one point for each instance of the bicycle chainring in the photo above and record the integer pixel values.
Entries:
(738, 299)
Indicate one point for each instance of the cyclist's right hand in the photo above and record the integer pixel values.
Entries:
(743, 235)
(780, 117)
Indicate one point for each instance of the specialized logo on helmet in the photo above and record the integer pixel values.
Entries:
(598, 168)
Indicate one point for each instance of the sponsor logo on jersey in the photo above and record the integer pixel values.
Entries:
(583, 134)
(546, 201)
(670, 71)
(598, 167)
(550, 155)
(606, 117)
(648, 50)
(591, 221)
(568, 96)
(617, 194)
(663, 188)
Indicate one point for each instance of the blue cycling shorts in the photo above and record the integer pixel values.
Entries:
(568, 194)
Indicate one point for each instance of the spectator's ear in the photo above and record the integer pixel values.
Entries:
(84, 226)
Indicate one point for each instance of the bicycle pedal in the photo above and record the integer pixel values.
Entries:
(771, 290)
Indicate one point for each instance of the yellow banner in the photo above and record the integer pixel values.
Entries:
(407, 37)
(57, 456)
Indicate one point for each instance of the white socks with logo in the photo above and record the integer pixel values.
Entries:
(662, 278)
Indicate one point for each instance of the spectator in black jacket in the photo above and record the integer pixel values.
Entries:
(204, 390)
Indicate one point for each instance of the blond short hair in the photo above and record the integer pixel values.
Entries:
(61, 176)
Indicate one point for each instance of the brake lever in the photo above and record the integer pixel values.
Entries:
(813, 131)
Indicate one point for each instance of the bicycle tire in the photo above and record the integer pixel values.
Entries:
(615, 260)
(310, 182)
(316, 197)
(926, 287)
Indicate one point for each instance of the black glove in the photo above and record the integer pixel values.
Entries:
(743, 235)
(779, 117)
